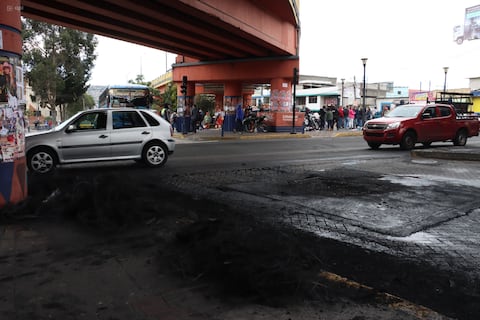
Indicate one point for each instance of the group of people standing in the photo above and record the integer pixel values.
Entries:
(348, 117)
(198, 119)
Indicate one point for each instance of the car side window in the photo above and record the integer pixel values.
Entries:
(152, 122)
(430, 112)
(127, 119)
(91, 121)
(444, 111)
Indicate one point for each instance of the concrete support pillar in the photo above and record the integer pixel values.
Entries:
(281, 116)
(232, 97)
(247, 98)
(13, 172)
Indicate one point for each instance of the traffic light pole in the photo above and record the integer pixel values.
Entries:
(184, 93)
(295, 81)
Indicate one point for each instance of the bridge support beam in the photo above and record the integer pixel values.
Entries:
(232, 97)
(281, 104)
(13, 172)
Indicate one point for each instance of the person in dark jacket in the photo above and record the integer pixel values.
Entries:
(239, 115)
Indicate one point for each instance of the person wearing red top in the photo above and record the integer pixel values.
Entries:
(341, 116)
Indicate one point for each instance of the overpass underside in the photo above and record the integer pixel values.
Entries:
(204, 30)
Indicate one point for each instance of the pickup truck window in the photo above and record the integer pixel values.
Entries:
(444, 111)
(429, 112)
(404, 111)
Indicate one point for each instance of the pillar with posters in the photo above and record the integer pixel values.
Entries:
(281, 116)
(13, 182)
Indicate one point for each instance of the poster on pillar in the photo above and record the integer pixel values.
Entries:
(8, 80)
(12, 120)
(13, 184)
(281, 100)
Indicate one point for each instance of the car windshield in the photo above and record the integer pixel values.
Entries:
(404, 112)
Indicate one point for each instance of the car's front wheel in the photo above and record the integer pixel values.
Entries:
(408, 141)
(374, 145)
(155, 154)
(41, 160)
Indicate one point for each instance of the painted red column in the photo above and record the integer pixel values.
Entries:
(13, 172)
(281, 102)
(232, 97)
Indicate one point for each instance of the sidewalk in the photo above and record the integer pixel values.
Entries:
(217, 134)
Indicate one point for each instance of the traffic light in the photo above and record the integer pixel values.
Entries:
(295, 76)
(184, 85)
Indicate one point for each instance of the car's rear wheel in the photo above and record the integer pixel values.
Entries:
(408, 141)
(460, 138)
(374, 145)
(41, 160)
(155, 154)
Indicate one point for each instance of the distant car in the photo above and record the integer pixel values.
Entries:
(100, 135)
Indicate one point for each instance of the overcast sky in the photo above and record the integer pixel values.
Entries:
(407, 42)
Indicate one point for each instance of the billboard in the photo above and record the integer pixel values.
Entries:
(470, 30)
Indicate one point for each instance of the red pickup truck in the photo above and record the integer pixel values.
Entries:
(410, 124)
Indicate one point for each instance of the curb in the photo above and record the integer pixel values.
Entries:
(448, 154)
(259, 136)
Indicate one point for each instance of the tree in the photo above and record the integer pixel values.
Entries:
(170, 95)
(206, 102)
(85, 102)
(57, 62)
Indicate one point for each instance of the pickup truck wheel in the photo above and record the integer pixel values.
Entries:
(460, 138)
(374, 145)
(408, 141)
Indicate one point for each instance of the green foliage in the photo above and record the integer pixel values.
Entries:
(206, 102)
(170, 95)
(57, 61)
(86, 101)
(140, 79)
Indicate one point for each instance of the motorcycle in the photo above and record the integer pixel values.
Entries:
(312, 121)
(253, 122)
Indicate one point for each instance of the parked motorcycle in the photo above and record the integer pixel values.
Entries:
(312, 121)
(254, 122)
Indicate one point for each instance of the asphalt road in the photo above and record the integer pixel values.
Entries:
(421, 215)
(416, 208)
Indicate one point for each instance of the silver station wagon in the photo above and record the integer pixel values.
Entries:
(101, 135)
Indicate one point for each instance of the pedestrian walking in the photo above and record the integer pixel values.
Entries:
(239, 115)
(341, 122)
(323, 111)
(194, 118)
(329, 118)
(351, 117)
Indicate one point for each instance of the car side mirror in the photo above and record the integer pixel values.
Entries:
(426, 115)
(70, 128)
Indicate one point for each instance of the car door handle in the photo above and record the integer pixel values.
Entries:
(146, 132)
(103, 136)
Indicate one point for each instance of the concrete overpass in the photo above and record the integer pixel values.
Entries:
(200, 29)
(220, 44)
(224, 48)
